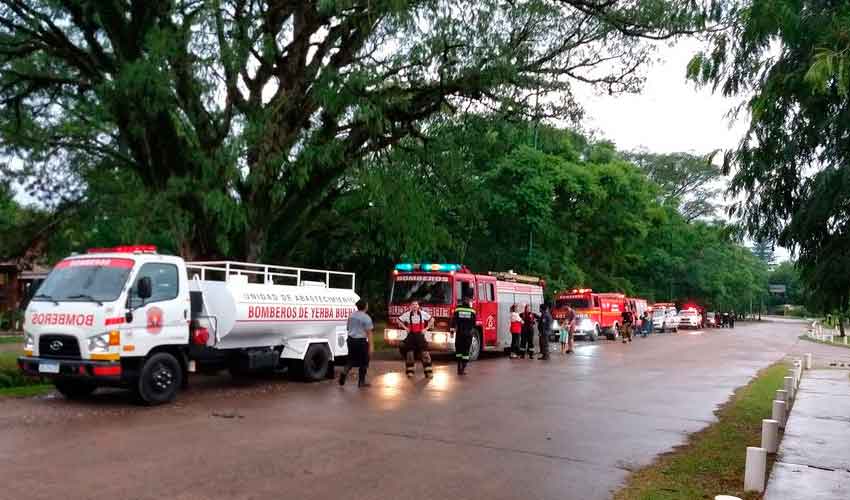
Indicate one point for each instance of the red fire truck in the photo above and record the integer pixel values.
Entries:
(596, 313)
(439, 287)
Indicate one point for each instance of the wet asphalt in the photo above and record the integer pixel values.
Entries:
(570, 428)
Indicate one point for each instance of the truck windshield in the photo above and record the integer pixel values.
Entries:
(426, 292)
(575, 303)
(659, 313)
(85, 280)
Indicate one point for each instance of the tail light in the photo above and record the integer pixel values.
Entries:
(200, 336)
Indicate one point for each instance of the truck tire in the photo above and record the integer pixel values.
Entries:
(595, 335)
(74, 389)
(475, 347)
(316, 364)
(615, 332)
(159, 380)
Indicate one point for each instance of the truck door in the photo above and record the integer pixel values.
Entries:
(162, 318)
(488, 311)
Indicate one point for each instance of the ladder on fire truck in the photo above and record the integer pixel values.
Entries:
(516, 278)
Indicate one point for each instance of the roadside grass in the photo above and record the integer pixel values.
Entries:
(11, 339)
(712, 461)
(13, 382)
(816, 341)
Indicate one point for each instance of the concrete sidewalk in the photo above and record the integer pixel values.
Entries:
(813, 462)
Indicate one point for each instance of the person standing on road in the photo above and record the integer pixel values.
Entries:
(526, 344)
(567, 323)
(544, 328)
(416, 322)
(646, 324)
(628, 323)
(732, 320)
(359, 344)
(463, 324)
(516, 331)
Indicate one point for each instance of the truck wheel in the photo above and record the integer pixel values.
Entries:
(475, 347)
(74, 389)
(160, 379)
(615, 332)
(595, 335)
(316, 363)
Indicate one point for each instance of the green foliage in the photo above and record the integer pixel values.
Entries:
(246, 119)
(476, 190)
(789, 59)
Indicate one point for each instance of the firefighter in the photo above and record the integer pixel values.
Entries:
(416, 322)
(463, 324)
(526, 341)
(544, 328)
(516, 331)
(628, 324)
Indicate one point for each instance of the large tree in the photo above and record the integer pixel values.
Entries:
(244, 116)
(790, 59)
(688, 181)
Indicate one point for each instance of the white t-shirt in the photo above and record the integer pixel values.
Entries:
(422, 316)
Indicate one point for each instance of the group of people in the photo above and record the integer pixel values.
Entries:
(725, 320)
(524, 324)
(417, 321)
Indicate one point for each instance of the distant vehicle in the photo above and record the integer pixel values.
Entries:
(596, 313)
(709, 320)
(665, 317)
(690, 318)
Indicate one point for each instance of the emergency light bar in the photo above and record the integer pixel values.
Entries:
(125, 249)
(443, 268)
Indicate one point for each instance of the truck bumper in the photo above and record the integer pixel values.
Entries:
(437, 341)
(102, 372)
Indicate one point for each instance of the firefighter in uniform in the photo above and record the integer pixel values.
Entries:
(526, 342)
(463, 324)
(416, 322)
(628, 324)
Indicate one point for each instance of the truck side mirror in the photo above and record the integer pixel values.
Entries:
(144, 288)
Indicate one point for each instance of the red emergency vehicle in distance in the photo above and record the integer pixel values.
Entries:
(596, 313)
(438, 288)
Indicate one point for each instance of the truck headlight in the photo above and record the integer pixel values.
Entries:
(585, 324)
(439, 338)
(101, 343)
(29, 342)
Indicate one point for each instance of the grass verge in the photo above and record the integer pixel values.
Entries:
(712, 461)
(13, 382)
(11, 339)
(26, 391)
(816, 341)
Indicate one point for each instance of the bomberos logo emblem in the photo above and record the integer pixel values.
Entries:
(491, 322)
(154, 316)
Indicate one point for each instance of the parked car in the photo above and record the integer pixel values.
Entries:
(690, 318)
(709, 320)
(665, 320)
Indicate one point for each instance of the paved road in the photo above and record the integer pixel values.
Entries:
(568, 429)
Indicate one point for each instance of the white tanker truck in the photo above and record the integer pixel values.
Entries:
(130, 317)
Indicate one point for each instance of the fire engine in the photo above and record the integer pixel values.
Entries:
(133, 318)
(439, 287)
(596, 313)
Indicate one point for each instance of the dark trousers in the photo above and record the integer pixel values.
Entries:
(515, 343)
(526, 342)
(463, 342)
(544, 344)
(415, 346)
(358, 355)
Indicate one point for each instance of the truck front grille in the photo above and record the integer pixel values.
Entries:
(58, 346)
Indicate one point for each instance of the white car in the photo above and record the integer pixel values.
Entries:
(665, 320)
(690, 318)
